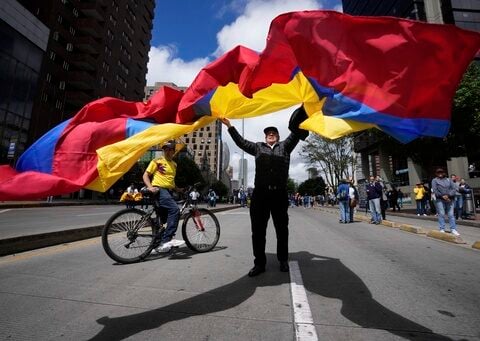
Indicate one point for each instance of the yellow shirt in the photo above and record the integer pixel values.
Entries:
(419, 193)
(163, 172)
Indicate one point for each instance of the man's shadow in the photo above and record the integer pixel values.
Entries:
(325, 276)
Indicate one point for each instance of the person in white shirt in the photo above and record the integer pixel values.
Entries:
(194, 195)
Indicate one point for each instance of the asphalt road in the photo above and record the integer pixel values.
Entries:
(362, 282)
(27, 221)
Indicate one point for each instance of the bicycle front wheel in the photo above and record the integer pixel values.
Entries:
(201, 230)
(127, 236)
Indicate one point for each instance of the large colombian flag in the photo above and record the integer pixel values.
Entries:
(351, 73)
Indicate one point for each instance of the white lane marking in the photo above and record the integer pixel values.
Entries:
(233, 213)
(3, 211)
(302, 315)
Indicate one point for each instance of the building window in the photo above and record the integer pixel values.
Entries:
(72, 31)
(69, 47)
(59, 19)
(61, 85)
(75, 12)
(55, 36)
(48, 77)
(65, 65)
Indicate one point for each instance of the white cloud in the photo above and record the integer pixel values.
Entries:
(164, 67)
(249, 29)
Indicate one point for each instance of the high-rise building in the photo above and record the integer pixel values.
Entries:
(23, 43)
(243, 173)
(462, 13)
(96, 48)
(205, 143)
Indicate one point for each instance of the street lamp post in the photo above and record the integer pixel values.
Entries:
(243, 155)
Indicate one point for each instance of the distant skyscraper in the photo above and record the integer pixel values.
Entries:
(243, 172)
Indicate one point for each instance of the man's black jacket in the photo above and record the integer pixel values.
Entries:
(271, 164)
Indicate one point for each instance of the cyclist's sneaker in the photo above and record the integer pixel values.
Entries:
(176, 243)
(163, 248)
(455, 233)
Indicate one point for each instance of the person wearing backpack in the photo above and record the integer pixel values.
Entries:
(343, 197)
(212, 198)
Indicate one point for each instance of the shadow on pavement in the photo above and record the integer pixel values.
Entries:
(324, 276)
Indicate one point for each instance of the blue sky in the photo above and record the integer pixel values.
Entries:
(189, 34)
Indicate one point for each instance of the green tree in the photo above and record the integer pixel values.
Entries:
(220, 189)
(335, 158)
(188, 173)
(313, 186)
(291, 186)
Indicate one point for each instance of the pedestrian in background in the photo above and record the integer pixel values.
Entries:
(374, 194)
(353, 194)
(394, 199)
(444, 190)
(400, 198)
(343, 196)
(383, 198)
(465, 190)
(194, 195)
(270, 197)
(419, 191)
(458, 205)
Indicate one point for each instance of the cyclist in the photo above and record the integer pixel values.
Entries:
(163, 171)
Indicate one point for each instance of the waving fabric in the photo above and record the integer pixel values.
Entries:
(351, 74)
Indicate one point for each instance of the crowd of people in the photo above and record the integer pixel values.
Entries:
(443, 196)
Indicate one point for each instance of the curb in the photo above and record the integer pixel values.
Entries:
(476, 245)
(447, 237)
(412, 229)
(389, 223)
(36, 241)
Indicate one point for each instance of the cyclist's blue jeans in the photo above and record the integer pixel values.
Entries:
(442, 208)
(166, 201)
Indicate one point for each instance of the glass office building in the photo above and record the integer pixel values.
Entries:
(23, 40)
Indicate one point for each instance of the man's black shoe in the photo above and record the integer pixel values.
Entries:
(255, 271)
(284, 266)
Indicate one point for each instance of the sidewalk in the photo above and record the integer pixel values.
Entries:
(64, 235)
(408, 221)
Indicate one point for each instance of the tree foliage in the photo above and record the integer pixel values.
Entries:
(220, 188)
(313, 186)
(291, 186)
(335, 158)
(188, 173)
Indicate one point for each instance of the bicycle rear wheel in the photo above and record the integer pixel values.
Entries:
(201, 230)
(127, 236)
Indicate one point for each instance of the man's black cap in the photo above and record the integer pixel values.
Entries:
(169, 145)
(267, 129)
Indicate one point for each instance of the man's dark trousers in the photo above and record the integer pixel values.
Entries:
(265, 202)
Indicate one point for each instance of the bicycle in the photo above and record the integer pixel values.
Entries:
(131, 234)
